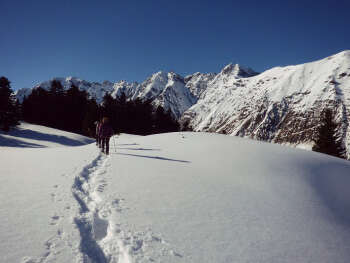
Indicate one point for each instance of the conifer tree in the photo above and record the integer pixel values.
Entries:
(75, 108)
(91, 116)
(56, 88)
(164, 122)
(57, 110)
(36, 107)
(121, 117)
(9, 115)
(327, 142)
(185, 126)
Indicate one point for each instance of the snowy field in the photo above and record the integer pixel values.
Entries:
(178, 197)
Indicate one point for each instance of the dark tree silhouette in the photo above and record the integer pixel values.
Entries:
(76, 103)
(9, 113)
(74, 111)
(69, 110)
(91, 116)
(164, 122)
(36, 107)
(185, 126)
(57, 109)
(121, 117)
(327, 142)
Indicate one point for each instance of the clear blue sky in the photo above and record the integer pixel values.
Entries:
(129, 40)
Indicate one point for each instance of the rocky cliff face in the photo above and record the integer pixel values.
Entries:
(281, 105)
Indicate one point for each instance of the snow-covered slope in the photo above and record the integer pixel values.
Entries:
(179, 197)
(197, 83)
(28, 135)
(168, 91)
(282, 104)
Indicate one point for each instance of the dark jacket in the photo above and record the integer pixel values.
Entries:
(105, 130)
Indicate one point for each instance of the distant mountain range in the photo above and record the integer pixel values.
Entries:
(167, 89)
(280, 105)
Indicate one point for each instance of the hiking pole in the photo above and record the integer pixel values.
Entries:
(115, 147)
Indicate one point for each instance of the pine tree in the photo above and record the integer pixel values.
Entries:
(164, 122)
(91, 116)
(56, 88)
(185, 126)
(9, 115)
(75, 107)
(36, 107)
(327, 142)
(121, 114)
(57, 110)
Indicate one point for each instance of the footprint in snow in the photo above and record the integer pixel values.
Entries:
(173, 253)
(117, 205)
(101, 187)
(54, 220)
(27, 260)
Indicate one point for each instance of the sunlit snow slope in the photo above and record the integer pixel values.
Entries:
(179, 197)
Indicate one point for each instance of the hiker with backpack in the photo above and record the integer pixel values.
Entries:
(105, 133)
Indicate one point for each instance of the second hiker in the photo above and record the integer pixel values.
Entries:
(105, 133)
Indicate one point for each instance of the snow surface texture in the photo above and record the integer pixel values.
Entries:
(178, 197)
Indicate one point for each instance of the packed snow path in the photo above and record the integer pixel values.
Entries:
(94, 219)
(99, 241)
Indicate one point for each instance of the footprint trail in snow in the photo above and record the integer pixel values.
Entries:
(103, 238)
(94, 219)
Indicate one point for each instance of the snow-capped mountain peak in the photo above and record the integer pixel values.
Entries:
(237, 71)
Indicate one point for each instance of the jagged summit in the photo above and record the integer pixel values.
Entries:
(238, 71)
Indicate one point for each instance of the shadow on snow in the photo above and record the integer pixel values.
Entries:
(11, 142)
(139, 149)
(88, 245)
(154, 157)
(331, 181)
(39, 136)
